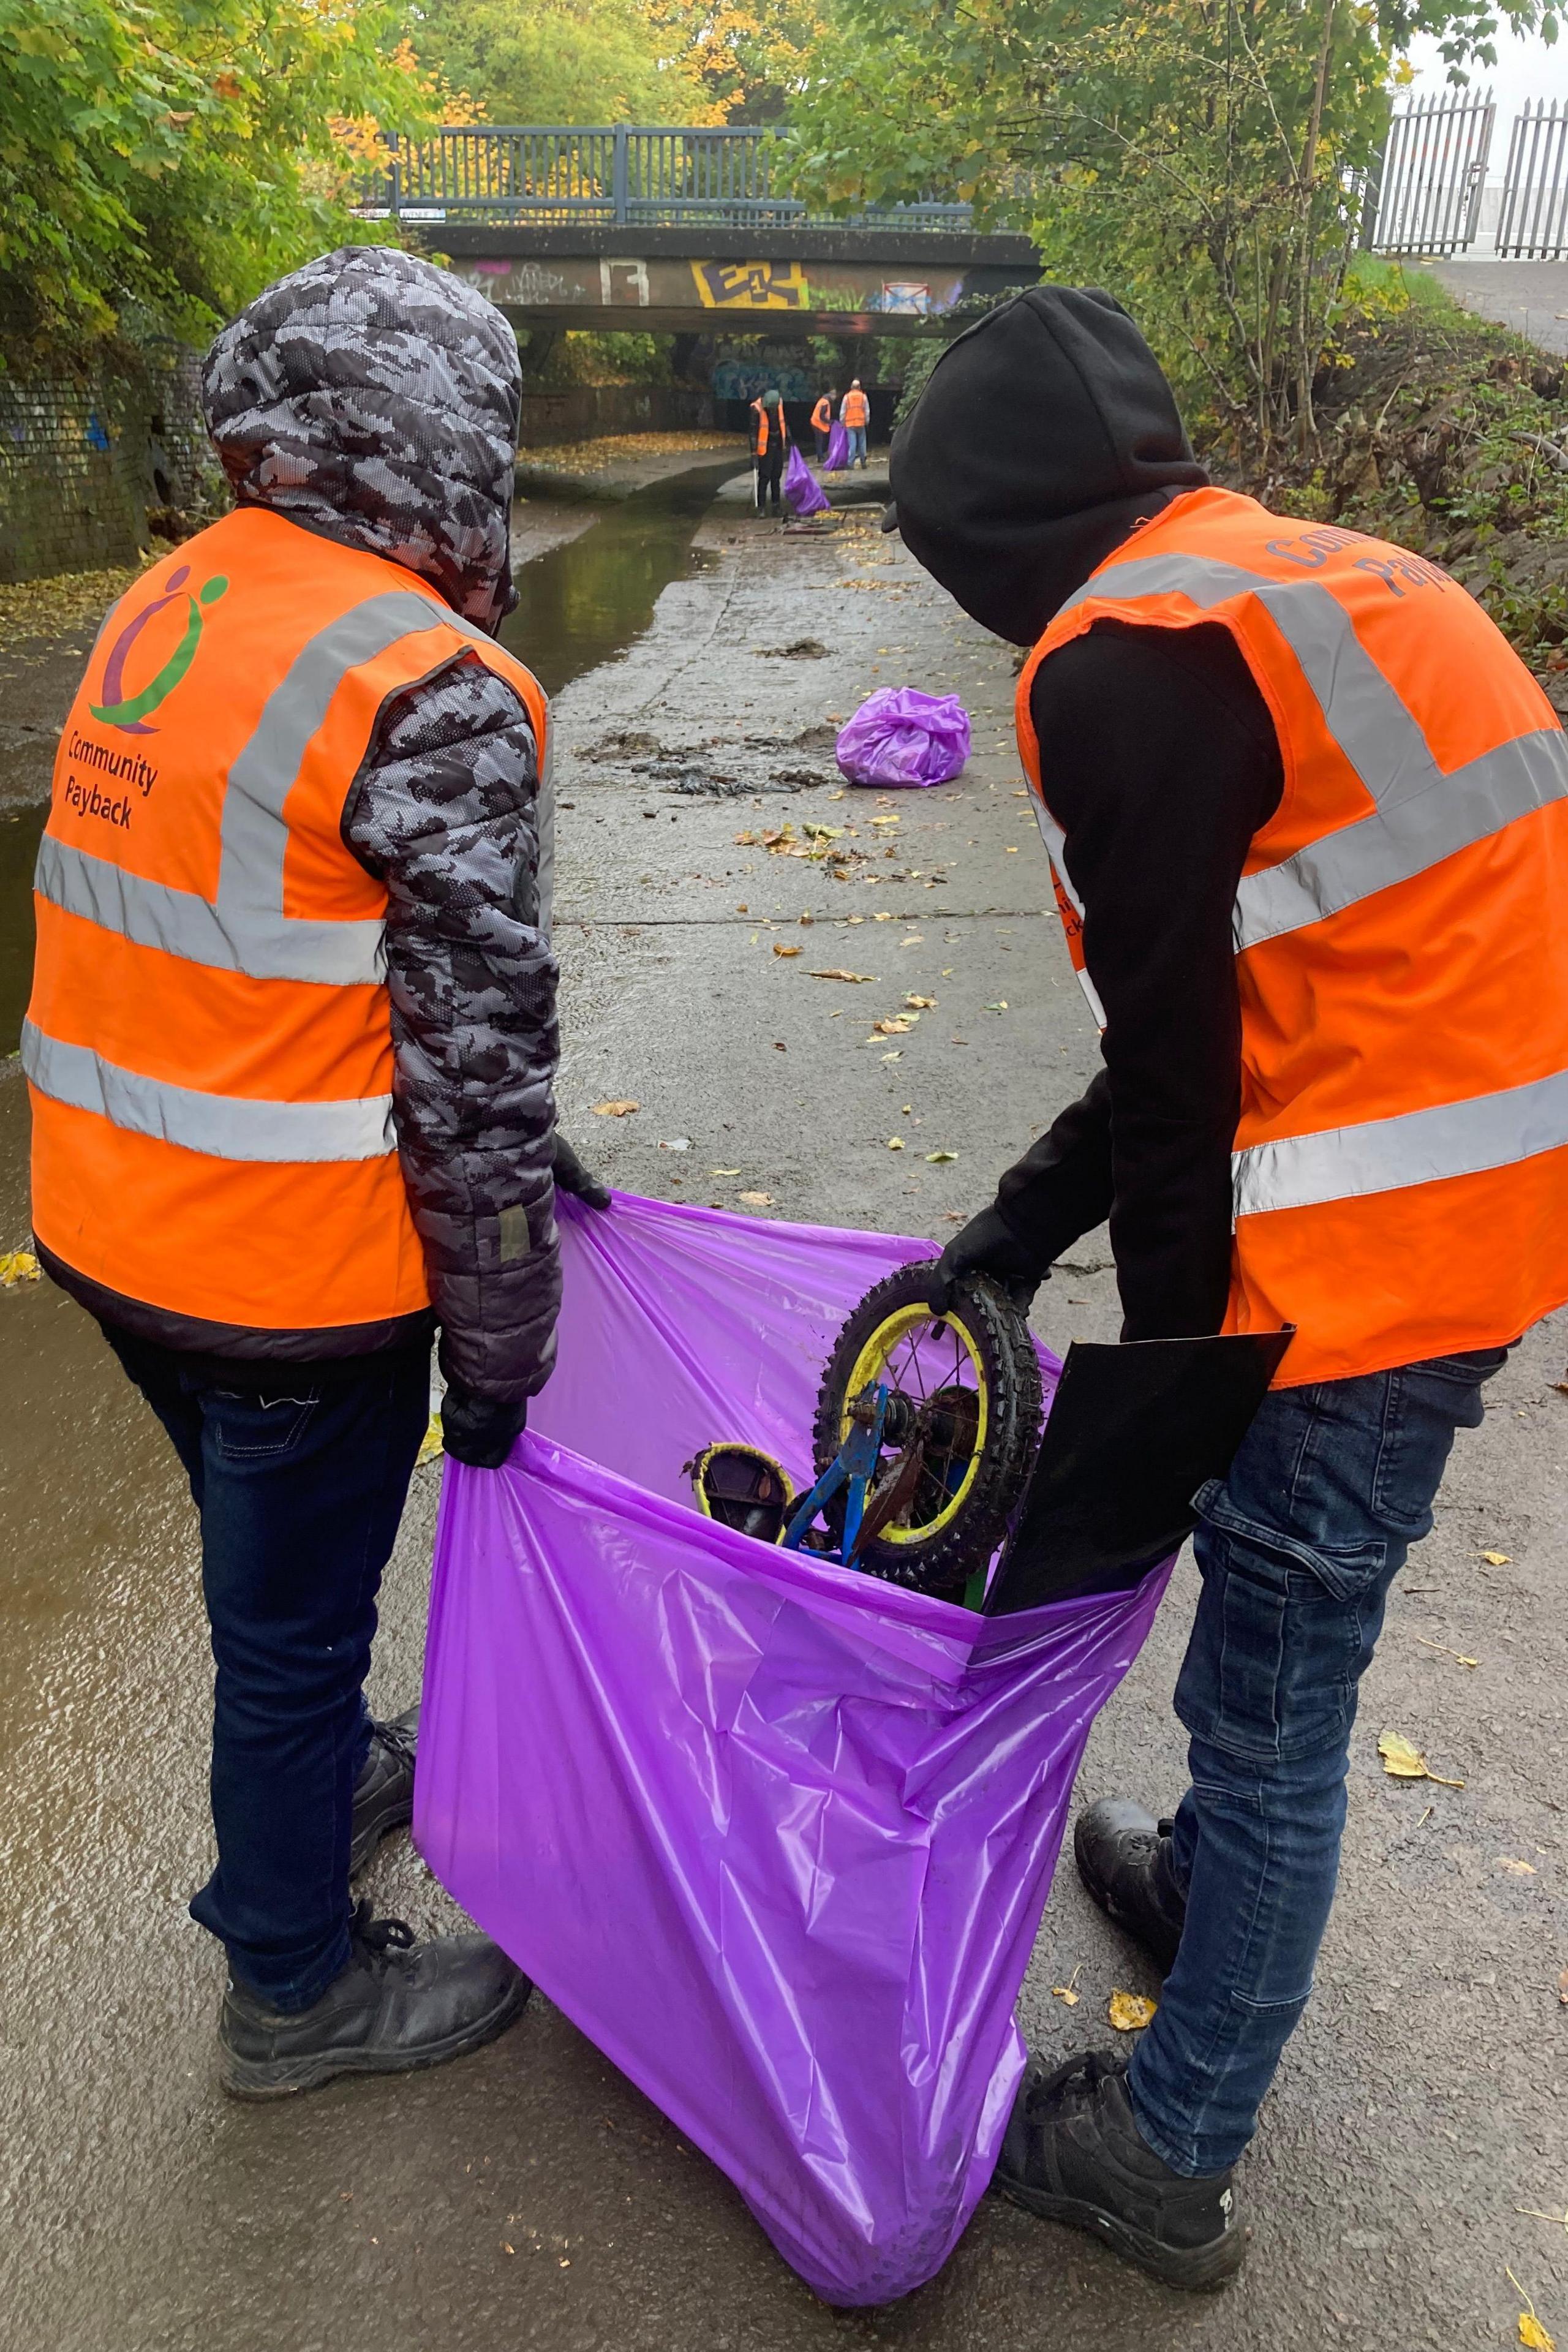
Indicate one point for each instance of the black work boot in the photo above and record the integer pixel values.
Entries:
(397, 2005)
(1074, 2154)
(1123, 1857)
(383, 1793)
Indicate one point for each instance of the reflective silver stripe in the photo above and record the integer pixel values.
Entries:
(225, 1127)
(246, 928)
(1422, 815)
(1056, 841)
(1387, 1155)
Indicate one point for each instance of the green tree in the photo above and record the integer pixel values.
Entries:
(174, 154)
(560, 61)
(1203, 159)
(749, 59)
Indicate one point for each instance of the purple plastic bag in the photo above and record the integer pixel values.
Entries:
(837, 455)
(900, 736)
(801, 494)
(775, 1835)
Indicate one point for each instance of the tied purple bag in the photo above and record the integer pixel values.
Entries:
(837, 455)
(899, 736)
(775, 1835)
(801, 494)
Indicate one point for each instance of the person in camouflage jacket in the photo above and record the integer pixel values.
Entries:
(373, 399)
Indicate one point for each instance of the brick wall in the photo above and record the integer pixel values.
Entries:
(82, 463)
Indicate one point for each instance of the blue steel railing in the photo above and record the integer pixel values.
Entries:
(616, 176)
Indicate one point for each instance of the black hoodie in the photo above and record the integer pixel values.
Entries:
(1046, 434)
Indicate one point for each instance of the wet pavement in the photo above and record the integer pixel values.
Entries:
(528, 2196)
(1531, 297)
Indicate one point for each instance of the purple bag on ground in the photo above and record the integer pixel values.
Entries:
(801, 494)
(837, 455)
(900, 736)
(775, 1835)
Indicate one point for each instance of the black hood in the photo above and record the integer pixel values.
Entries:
(1044, 433)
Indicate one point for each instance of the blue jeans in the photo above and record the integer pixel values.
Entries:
(300, 1486)
(857, 445)
(1296, 1548)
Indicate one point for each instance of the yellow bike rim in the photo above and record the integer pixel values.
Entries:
(871, 1366)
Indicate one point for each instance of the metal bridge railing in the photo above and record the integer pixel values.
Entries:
(618, 175)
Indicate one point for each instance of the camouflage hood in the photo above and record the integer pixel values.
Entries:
(374, 398)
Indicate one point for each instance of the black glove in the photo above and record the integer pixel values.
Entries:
(479, 1430)
(988, 1244)
(570, 1176)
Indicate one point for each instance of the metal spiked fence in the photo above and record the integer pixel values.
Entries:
(1533, 221)
(1427, 196)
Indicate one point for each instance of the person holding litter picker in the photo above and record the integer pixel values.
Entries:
(770, 442)
(1307, 816)
(290, 1050)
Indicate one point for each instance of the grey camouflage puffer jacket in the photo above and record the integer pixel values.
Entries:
(374, 398)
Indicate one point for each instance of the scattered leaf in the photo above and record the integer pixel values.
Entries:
(1519, 1869)
(895, 1142)
(1531, 2332)
(780, 949)
(941, 1159)
(857, 978)
(1129, 2010)
(430, 1447)
(756, 1200)
(891, 1028)
(723, 1171)
(616, 1109)
(881, 919)
(779, 1046)
(1532, 2214)
(1443, 1646)
(1070, 1993)
(921, 1004)
(1000, 1006)
(824, 831)
(1010, 853)
(1497, 1558)
(1402, 1760)
(896, 1055)
(18, 1265)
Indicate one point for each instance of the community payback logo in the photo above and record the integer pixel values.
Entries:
(129, 712)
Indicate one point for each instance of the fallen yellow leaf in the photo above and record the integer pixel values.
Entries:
(756, 1200)
(921, 1004)
(1443, 1646)
(891, 1028)
(1402, 1760)
(881, 919)
(18, 1265)
(1129, 2010)
(837, 971)
(895, 1142)
(1070, 1993)
(884, 819)
(723, 1171)
(430, 1443)
(940, 1159)
(1519, 1869)
(1531, 2331)
(780, 950)
(1496, 1560)
(617, 1109)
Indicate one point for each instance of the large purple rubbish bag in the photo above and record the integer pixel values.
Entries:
(837, 455)
(900, 736)
(801, 494)
(775, 1835)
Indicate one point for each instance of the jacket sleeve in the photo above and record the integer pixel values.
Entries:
(446, 812)
(1160, 764)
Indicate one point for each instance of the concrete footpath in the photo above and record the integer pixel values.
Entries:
(529, 2196)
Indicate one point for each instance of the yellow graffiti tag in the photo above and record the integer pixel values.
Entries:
(751, 285)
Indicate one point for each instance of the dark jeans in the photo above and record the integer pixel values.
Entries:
(770, 473)
(300, 1486)
(824, 442)
(1296, 1548)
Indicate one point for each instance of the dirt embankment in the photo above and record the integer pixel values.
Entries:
(1450, 438)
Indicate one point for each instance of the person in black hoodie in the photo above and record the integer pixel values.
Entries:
(1045, 436)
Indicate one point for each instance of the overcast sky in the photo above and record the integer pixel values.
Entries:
(1526, 69)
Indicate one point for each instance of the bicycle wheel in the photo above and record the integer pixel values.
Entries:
(961, 1430)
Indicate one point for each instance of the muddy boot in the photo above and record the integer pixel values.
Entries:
(1123, 1857)
(1074, 2154)
(396, 2006)
(383, 1793)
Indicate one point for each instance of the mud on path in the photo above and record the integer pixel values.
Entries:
(529, 2196)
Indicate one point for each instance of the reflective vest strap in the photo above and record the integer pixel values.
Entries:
(224, 1126)
(1419, 1147)
(1421, 816)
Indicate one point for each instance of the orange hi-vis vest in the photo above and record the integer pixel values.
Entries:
(822, 415)
(760, 443)
(209, 1044)
(854, 410)
(1400, 1166)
